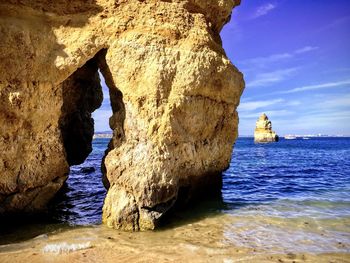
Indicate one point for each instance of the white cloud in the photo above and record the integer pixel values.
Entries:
(332, 70)
(271, 113)
(305, 49)
(253, 105)
(293, 103)
(266, 79)
(263, 10)
(325, 123)
(262, 61)
(329, 103)
(333, 115)
(101, 119)
(336, 23)
(343, 101)
(317, 113)
(268, 59)
(319, 86)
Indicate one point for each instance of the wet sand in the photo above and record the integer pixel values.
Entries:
(115, 254)
(216, 238)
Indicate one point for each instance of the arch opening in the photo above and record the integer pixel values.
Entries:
(91, 125)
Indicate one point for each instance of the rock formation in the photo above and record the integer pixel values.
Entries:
(263, 131)
(173, 93)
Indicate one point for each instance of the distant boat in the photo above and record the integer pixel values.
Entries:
(306, 138)
(290, 137)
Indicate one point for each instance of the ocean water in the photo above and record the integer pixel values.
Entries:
(82, 200)
(293, 195)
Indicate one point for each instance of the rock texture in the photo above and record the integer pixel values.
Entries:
(263, 131)
(173, 92)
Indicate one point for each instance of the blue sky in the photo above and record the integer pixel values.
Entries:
(295, 57)
(101, 115)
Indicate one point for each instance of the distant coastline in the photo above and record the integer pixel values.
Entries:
(107, 135)
(304, 136)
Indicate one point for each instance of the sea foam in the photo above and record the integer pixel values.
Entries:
(64, 247)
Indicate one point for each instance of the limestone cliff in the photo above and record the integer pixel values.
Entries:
(173, 92)
(263, 131)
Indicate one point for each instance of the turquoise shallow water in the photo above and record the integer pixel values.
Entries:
(293, 195)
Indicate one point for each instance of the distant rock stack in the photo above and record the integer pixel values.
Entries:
(263, 131)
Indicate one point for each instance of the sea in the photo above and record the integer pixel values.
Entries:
(292, 196)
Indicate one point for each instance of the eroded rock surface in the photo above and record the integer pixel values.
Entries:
(173, 92)
(263, 131)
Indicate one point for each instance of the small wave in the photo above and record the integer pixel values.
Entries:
(64, 247)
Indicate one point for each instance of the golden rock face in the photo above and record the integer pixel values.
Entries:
(263, 131)
(173, 91)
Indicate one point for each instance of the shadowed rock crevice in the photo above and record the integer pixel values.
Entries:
(82, 94)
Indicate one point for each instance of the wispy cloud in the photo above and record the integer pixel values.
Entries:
(319, 86)
(253, 105)
(323, 122)
(293, 103)
(336, 70)
(332, 115)
(335, 23)
(265, 79)
(343, 101)
(263, 61)
(305, 49)
(101, 119)
(263, 10)
(268, 59)
(271, 113)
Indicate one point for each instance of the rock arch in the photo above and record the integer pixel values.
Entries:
(174, 96)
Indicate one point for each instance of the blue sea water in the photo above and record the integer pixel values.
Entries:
(82, 200)
(290, 178)
(311, 176)
(293, 195)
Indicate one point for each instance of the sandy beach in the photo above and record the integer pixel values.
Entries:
(212, 239)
